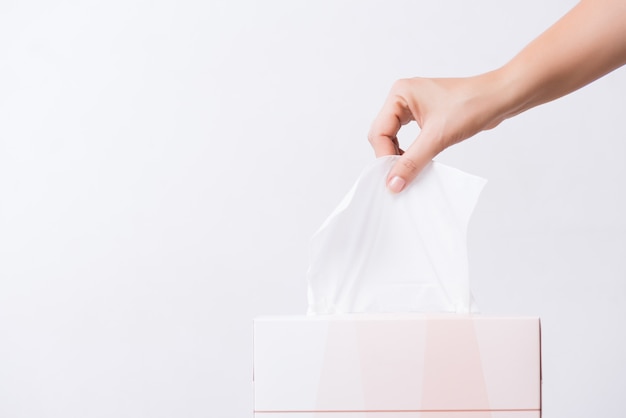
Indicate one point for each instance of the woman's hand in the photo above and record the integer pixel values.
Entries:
(447, 111)
(583, 45)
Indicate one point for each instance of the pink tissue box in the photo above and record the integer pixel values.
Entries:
(397, 366)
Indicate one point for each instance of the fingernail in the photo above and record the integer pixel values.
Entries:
(396, 184)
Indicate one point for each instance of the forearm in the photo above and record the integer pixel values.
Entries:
(584, 45)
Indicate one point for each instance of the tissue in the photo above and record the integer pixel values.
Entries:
(406, 252)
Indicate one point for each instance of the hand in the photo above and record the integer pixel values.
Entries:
(582, 46)
(447, 111)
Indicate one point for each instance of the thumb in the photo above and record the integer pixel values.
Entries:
(409, 165)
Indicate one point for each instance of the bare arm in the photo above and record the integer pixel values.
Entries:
(585, 44)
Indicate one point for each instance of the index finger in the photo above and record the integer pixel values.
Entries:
(383, 133)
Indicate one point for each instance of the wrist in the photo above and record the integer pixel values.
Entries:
(499, 95)
(488, 100)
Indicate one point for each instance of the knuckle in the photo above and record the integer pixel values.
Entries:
(399, 85)
(408, 164)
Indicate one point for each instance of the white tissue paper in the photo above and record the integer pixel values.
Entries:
(406, 252)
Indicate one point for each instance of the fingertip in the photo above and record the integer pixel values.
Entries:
(396, 184)
(383, 146)
(402, 173)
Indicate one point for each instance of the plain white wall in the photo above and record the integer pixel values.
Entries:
(164, 164)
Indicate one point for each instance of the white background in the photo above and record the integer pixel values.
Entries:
(164, 164)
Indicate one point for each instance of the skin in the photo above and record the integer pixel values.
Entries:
(585, 44)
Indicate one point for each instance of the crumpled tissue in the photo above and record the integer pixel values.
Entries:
(405, 252)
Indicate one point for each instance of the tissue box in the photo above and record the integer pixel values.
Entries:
(397, 366)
